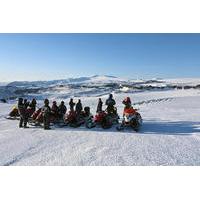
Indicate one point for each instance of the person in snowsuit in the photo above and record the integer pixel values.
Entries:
(79, 107)
(62, 109)
(99, 106)
(88, 118)
(26, 103)
(110, 103)
(71, 105)
(130, 116)
(22, 112)
(128, 109)
(55, 110)
(46, 113)
(33, 104)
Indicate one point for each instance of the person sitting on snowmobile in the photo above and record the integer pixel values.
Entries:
(99, 106)
(26, 103)
(62, 109)
(86, 112)
(79, 107)
(33, 104)
(110, 102)
(71, 105)
(128, 109)
(31, 108)
(23, 115)
(131, 117)
(46, 113)
(88, 118)
(55, 110)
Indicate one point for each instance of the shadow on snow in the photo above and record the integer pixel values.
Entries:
(170, 128)
(149, 127)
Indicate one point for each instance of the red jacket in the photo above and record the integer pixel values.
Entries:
(129, 111)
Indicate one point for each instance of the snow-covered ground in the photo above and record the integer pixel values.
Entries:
(170, 135)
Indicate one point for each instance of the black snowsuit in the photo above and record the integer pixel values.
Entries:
(110, 105)
(26, 103)
(62, 110)
(71, 105)
(99, 106)
(23, 115)
(79, 107)
(55, 110)
(32, 105)
(46, 112)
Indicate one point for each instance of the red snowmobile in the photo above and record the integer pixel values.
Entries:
(131, 116)
(131, 120)
(72, 119)
(36, 118)
(105, 119)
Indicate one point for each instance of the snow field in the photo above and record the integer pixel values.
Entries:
(169, 136)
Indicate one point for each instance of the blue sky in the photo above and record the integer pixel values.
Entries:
(57, 56)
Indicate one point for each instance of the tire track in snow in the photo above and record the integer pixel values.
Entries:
(152, 101)
(22, 155)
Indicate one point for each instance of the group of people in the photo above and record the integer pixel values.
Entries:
(57, 112)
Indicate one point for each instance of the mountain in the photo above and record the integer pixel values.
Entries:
(91, 86)
(81, 80)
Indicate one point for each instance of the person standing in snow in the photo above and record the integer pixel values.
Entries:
(79, 107)
(33, 104)
(71, 105)
(26, 103)
(55, 110)
(46, 113)
(99, 106)
(22, 112)
(62, 109)
(110, 103)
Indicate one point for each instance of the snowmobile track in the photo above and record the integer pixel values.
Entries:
(152, 101)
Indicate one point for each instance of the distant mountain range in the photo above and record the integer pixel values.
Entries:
(90, 86)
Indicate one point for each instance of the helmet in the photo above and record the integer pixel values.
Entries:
(34, 101)
(87, 109)
(46, 101)
(110, 96)
(54, 102)
(62, 102)
(127, 100)
(20, 100)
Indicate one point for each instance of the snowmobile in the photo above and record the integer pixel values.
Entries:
(131, 120)
(106, 120)
(76, 120)
(71, 119)
(36, 119)
(14, 114)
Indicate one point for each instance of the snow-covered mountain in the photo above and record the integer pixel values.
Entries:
(91, 86)
(81, 80)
